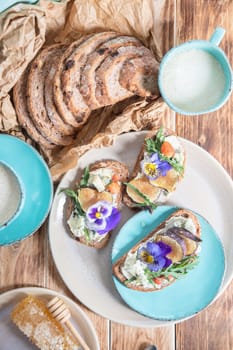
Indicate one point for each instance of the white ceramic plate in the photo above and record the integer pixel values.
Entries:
(11, 338)
(206, 189)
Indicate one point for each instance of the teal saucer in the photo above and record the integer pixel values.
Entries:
(186, 296)
(36, 187)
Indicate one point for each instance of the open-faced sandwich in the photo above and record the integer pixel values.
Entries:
(158, 169)
(166, 254)
(93, 207)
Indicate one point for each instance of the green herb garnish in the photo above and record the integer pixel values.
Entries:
(74, 196)
(85, 178)
(176, 270)
(147, 202)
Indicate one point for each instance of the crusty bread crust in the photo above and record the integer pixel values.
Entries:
(122, 171)
(167, 132)
(116, 268)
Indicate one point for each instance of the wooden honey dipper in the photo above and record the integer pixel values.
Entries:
(61, 313)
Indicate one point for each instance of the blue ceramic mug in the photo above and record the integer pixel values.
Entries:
(196, 77)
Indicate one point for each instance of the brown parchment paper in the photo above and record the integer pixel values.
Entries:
(24, 29)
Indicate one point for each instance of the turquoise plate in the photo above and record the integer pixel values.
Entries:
(36, 187)
(186, 296)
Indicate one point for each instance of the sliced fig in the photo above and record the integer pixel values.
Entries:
(142, 185)
(184, 232)
(191, 241)
(89, 196)
(177, 245)
(167, 182)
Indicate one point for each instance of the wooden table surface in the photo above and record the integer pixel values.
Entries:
(30, 263)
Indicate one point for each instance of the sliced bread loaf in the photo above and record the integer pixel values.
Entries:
(87, 80)
(25, 120)
(140, 76)
(74, 65)
(108, 89)
(38, 72)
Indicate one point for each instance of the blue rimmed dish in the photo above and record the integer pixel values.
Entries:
(35, 185)
(185, 297)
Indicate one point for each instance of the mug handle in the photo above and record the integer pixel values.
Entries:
(217, 36)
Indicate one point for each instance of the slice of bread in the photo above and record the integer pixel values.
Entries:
(154, 236)
(108, 89)
(33, 318)
(158, 190)
(140, 76)
(74, 65)
(53, 114)
(25, 120)
(38, 72)
(91, 194)
(87, 82)
(59, 96)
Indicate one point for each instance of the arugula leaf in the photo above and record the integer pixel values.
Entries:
(85, 177)
(176, 270)
(74, 196)
(147, 202)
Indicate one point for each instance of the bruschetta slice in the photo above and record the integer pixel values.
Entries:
(92, 209)
(158, 168)
(163, 256)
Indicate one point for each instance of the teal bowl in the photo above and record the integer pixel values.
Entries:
(36, 189)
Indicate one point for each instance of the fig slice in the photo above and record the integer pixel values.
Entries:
(191, 241)
(184, 232)
(142, 184)
(177, 245)
(89, 196)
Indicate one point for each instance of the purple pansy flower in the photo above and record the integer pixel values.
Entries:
(154, 167)
(102, 217)
(154, 255)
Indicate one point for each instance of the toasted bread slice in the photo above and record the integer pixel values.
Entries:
(180, 219)
(140, 75)
(33, 318)
(104, 184)
(94, 60)
(156, 190)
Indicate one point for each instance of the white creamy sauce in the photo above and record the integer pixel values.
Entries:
(10, 194)
(133, 267)
(193, 80)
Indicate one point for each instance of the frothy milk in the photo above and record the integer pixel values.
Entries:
(193, 80)
(10, 194)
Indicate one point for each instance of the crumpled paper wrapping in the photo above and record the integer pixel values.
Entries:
(25, 28)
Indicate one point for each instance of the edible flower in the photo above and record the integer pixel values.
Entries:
(153, 166)
(154, 255)
(102, 217)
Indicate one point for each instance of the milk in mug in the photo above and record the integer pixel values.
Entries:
(193, 80)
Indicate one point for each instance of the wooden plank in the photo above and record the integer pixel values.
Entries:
(23, 263)
(197, 19)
